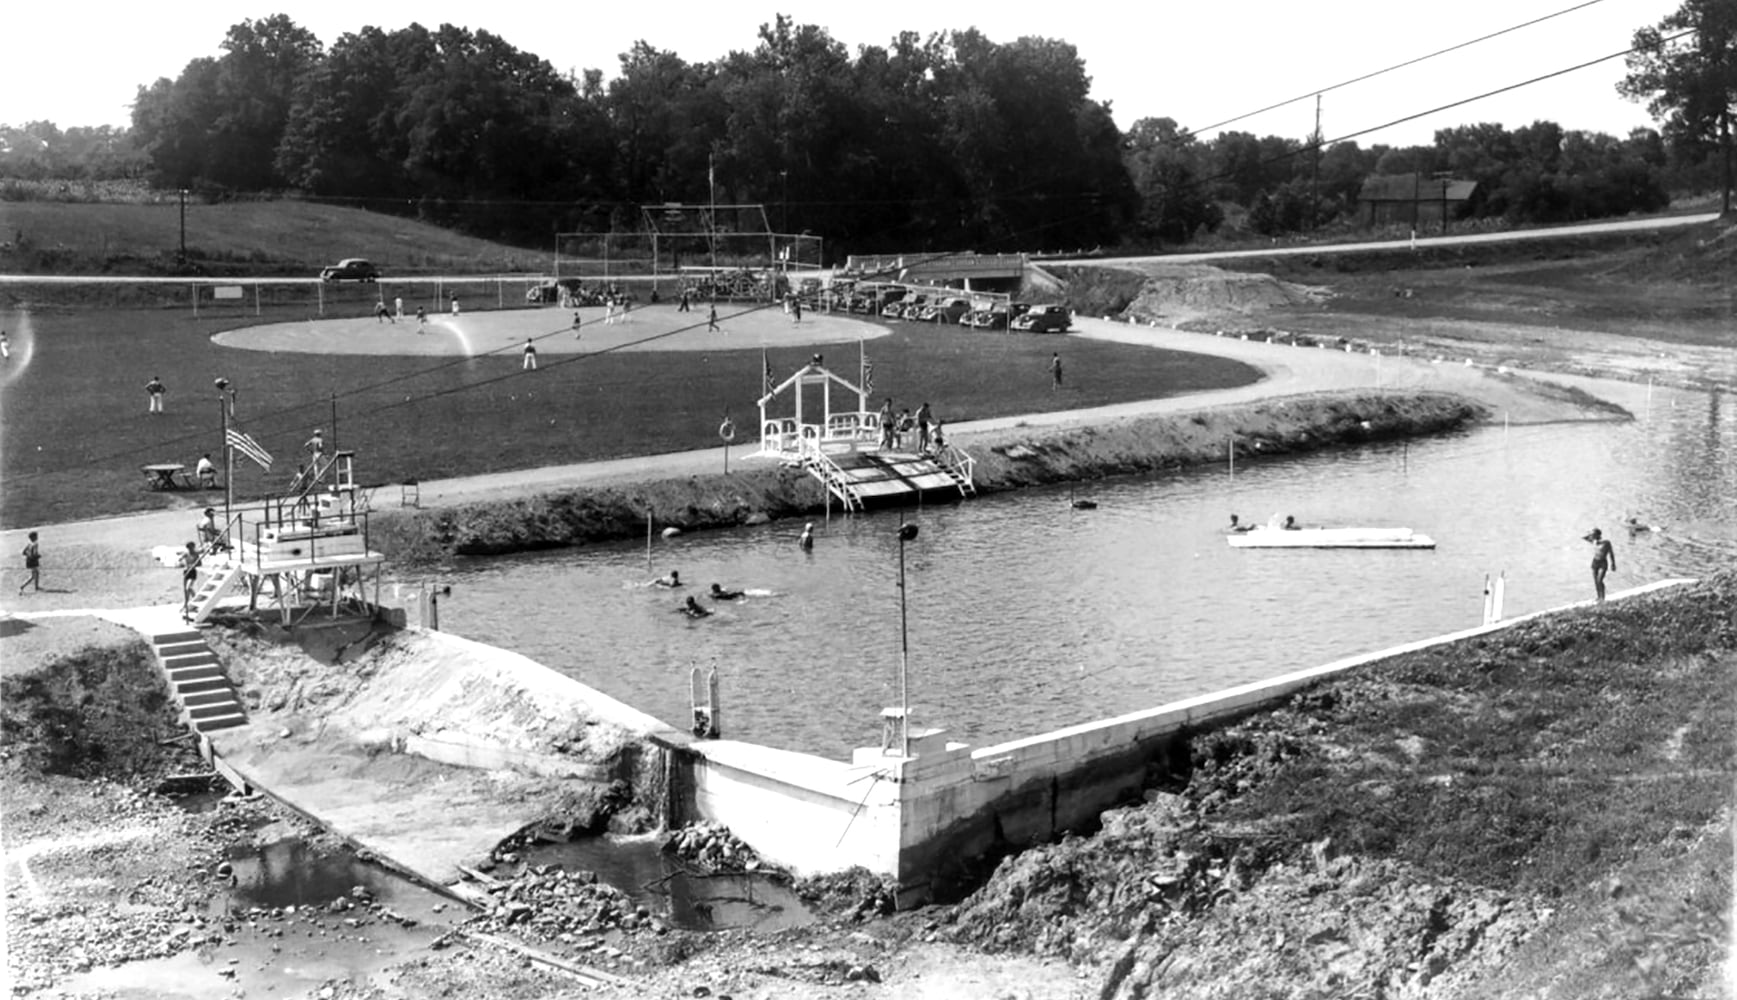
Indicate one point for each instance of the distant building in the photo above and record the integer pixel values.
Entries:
(1412, 200)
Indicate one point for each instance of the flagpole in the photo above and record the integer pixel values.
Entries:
(228, 459)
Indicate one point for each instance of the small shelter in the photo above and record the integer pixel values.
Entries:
(1412, 199)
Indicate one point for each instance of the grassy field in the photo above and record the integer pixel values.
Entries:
(291, 238)
(76, 429)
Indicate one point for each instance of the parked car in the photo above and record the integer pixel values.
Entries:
(1049, 318)
(351, 269)
(906, 309)
(947, 310)
(872, 299)
(994, 318)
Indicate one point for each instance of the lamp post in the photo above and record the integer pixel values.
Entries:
(906, 533)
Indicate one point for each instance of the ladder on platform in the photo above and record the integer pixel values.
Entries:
(822, 467)
(222, 574)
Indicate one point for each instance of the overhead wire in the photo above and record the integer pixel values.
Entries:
(1396, 66)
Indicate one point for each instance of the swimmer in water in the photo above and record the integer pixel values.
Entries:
(693, 610)
(1237, 526)
(807, 540)
(720, 594)
(674, 579)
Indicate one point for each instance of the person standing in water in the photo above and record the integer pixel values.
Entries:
(806, 542)
(1603, 560)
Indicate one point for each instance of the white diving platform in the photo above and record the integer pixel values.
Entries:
(1268, 537)
(310, 548)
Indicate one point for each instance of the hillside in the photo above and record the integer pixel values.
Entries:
(265, 238)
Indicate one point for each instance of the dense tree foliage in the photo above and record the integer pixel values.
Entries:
(1685, 68)
(945, 141)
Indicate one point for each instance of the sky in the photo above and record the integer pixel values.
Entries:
(1199, 63)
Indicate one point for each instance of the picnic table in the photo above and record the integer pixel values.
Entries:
(163, 476)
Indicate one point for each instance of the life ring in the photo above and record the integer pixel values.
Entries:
(727, 430)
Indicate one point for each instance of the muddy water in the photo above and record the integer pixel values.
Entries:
(283, 937)
(1025, 614)
(653, 879)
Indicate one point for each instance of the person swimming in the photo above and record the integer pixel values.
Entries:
(720, 594)
(693, 609)
(674, 579)
(1237, 526)
(807, 539)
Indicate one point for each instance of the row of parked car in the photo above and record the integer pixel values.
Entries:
(898, 302)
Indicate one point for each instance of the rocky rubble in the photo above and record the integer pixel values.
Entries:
(712, 847)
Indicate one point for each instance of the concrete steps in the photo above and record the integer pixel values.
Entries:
(208, 700)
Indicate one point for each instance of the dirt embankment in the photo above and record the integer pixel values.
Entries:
(1008, 459)
(1545, 812)
(100, 870)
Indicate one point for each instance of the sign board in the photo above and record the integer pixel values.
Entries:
(226, 292)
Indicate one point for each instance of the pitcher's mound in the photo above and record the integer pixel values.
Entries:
(741, 326)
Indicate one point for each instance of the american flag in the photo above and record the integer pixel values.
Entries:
(868, 377)
(766, 382)
(245, 444)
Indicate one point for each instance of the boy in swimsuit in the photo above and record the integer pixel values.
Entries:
(1603, 559)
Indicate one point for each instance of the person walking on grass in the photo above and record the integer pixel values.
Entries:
(530, 363)
(1603, 560)
(1055, 371)
(32, 565)
(155, 389)
(712, 319)
(421, 320)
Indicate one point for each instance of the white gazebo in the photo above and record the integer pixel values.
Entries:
(828, 415)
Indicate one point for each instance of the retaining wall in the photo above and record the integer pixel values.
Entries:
(927, 819)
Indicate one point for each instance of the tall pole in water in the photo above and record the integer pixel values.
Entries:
(906, 533)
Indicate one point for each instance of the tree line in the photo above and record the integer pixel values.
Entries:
(942, 141)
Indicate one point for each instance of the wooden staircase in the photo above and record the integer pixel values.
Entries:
(208, 700)
(221, 573)
(859, 478)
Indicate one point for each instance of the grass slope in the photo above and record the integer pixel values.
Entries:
(76, 430)
(291, 238)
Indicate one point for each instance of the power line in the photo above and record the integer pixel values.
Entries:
(1409, 62)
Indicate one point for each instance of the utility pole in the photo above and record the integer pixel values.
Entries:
(183, 258)
(1315, 171)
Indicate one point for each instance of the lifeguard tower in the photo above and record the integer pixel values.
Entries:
(831, 431)
(302, 552)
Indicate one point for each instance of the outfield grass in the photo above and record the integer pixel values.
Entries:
(76, 431)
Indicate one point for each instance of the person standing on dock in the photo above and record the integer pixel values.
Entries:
(924, 419)
(1603, 560)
